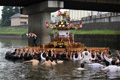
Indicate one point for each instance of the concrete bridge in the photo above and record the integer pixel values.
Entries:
(39, 11)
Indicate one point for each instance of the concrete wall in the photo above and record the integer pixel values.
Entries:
(37, 25)
(87, 37)
(97, 37)
(9, 36)
(97, 40)
(102, 26)
(90, 40)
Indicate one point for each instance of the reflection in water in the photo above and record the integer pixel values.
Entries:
(10, 70)
(6, 44)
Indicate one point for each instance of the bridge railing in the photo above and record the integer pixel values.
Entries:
(109, 17)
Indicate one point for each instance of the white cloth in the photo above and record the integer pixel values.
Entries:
(63, 32)
(27, 34)
(108, 59)
(118, 69)
(42, 58)
(102, 56)
(75, 59)
(95, 65)
(86, 56)
(111, 68)
(81, 69)
(78, 58)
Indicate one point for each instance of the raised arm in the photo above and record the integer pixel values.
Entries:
(42, 57)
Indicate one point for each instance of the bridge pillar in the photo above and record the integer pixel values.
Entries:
(37, 25)
(39, 14)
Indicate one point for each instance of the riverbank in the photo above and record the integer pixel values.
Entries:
(93, 32)
(9, 31)
(11, 36)
(25, 30)
(14, 33)
(20, 32)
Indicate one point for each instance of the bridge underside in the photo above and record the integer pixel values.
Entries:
(95, 5)
(91, 6)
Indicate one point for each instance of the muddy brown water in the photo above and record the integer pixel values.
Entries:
(16, 70)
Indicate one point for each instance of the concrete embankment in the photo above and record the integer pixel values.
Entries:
(102, 26)
(99, 37)
(13, 36)
(98, 40)
(90, 40)
(78, 37)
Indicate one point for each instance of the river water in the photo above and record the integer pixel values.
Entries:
(16, 70)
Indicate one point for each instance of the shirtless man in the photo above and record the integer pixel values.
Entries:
(53, 62)
(34, 36)
(34, 61)
(47, 63)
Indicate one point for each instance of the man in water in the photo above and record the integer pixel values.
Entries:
(34, 61)
(86, 56)
(96, 65)
(34, 36)
(82, 67)
(47, 63)
(111, 68)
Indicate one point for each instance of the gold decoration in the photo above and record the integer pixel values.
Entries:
(50, 25)
(65, 14)
(63, 21)
(63, 25)
(59, 25)
(67, 23)
(77, 26)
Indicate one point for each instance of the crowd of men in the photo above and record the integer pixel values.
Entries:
(53, 57)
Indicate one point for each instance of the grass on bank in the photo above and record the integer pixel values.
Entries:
(13, 30)
(96, 32)
(25, 30)
(93, 32)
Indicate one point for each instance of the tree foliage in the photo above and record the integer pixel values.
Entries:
(7, 12)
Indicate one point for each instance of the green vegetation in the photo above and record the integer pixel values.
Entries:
(13, 30)
(25, 30)
(52, 31)
(94, 32)
(7, 12)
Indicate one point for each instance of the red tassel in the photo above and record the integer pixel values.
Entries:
(71, 25)
(80, 25)
(47, 25)
(59, 13)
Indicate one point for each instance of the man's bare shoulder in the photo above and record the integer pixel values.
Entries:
(35, 60)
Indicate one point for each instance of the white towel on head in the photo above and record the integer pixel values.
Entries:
(27, 34)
